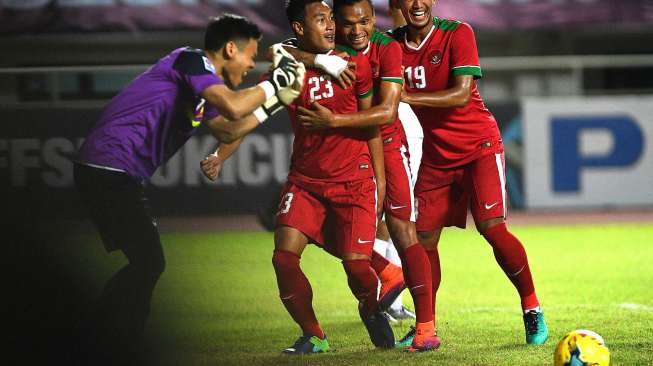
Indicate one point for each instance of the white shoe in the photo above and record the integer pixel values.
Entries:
(400, 314)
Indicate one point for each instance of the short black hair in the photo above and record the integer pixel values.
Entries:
(229, 27)
(296, 9)
(337, 4)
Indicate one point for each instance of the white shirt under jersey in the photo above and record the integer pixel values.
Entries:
(414, 135)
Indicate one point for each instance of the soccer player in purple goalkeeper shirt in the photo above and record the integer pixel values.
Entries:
(138, 131)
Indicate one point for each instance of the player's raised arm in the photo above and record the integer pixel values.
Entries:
(465, 68)
(335, 65)
(456, 96)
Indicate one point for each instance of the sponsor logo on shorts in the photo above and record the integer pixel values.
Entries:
(364, 166)
(364, 241)
(393, 207)
(487, 207)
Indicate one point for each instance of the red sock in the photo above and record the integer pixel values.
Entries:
(295, 292)
(417, 269)
(378, 263)
(436, 275)
(511, 256)
(363, 283)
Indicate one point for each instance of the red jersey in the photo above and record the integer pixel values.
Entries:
(384, 55)
(338, 154)
(452, 136)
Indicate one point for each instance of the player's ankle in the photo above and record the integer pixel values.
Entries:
(425, 329)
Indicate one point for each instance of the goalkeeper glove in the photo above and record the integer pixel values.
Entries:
(289, 94)
(283, 74)
(267, 109)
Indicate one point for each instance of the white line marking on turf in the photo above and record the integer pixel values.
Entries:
(636, 307)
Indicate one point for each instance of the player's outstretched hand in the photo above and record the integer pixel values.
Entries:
(211, 166)
(316, 118)
(289, 94)
(285, 69)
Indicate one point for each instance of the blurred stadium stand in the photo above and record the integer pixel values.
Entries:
(62, 60)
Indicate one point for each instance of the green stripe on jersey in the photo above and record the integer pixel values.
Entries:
(380, 38)
(446, 25)
(367, 94)
(468, 70)
(350, 51)
(398, 80)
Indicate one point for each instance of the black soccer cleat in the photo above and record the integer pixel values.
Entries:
(308, 344)
(379, 329)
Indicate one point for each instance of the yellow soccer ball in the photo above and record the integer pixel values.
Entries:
(581, 348)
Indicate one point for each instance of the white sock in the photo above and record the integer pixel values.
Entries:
(380, 246)
(391, 254)
(398, 303)
(536, 309)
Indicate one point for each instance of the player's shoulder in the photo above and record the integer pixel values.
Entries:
(398, 34)
(451, 25)
(382, 39)
(348, 50)
(352, 54)
(192, 61)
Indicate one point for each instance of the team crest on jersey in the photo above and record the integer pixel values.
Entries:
(375, 71)
(198, 114)
(435, 57)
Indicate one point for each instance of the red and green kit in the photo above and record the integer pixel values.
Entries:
(452, 136)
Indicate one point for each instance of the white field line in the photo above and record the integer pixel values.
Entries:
(512, 309)
(635, 307)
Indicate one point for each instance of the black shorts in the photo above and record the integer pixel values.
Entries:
(117, 205)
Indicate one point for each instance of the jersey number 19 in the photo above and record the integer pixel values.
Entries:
(416, 77)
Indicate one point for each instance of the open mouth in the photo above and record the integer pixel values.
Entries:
(418, 15)
(358, 39)
(330, 37)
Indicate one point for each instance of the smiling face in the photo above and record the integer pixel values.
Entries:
(417, 12)
(317, 32)
(355, 24)
(239, 58)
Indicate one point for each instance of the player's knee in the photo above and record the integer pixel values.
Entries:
(357, 268)
(429, 239)
(149, 265)
(494, 224)
(284, 261)
(403, 233)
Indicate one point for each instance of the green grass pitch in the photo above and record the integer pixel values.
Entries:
(217, 302)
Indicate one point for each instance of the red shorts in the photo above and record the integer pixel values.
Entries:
(350, 208)
(444, 195)
(399, 197)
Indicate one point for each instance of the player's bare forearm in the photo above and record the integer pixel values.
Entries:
(226, 150)
(308, 59)
(375, 146)
(384, 112)
(342, 72)
(234, 105)
(320, 117)
(456, 96)
(212, 164)
(227, 131)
